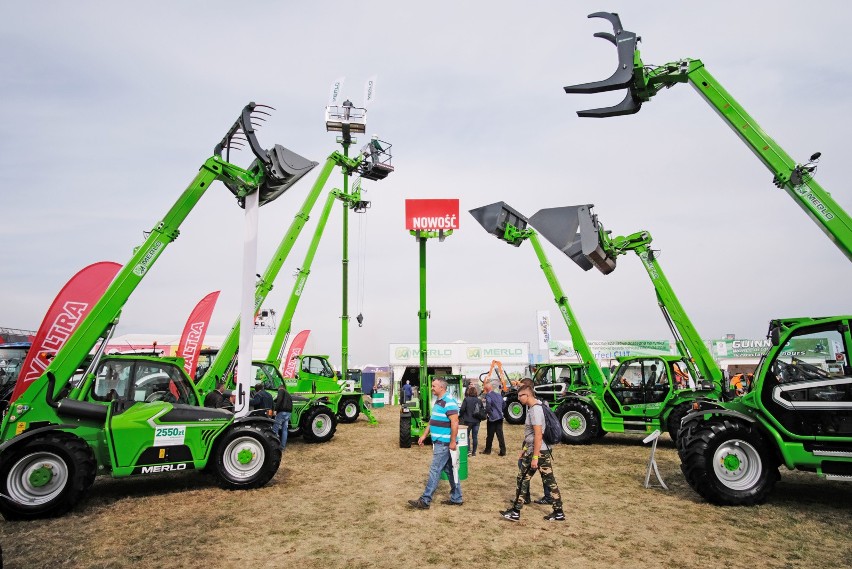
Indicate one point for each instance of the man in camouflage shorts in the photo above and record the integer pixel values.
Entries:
(535, 455)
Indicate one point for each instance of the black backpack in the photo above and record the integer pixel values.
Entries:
(552, 434)
(479, 412)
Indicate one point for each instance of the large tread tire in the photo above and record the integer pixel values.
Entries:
(348, 410)
(46, 476)
(673, 422)
(405, 431)
(318, 424)
(727, 462)
(580, 424)
(246, 456)
(514, 412)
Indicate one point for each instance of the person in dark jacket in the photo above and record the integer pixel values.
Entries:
(466, 414)
(261, 398)
(283, 409)
(216, 398)
(494, 405)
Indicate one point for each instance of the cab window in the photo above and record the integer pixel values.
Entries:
(317, 366)
(156, 381)
(112, 380)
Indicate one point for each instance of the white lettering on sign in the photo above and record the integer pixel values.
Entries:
(163, 468)
(196, 331)
(150, 256)
(59, 331)
(445, 222)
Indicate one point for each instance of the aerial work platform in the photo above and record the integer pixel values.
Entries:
(377, 160)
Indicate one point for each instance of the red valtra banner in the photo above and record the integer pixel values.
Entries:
(70, 306)
(192, 338)
(297, 346)
(431, 215)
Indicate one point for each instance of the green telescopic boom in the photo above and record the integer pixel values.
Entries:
(280, 340)
(230, 346)
(643, 82)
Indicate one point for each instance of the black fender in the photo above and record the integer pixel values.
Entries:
(254, 419)
(718, 411)
(404, 412)
(30, 433)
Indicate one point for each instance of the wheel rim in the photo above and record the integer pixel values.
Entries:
(573, 423)
(350, 410)
(321, 425)
(244, 457)
(516, 410)
(737, 464)
(37, 478)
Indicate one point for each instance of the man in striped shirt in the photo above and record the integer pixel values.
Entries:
(443, 426)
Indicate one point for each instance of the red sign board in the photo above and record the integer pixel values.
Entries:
(431, 215)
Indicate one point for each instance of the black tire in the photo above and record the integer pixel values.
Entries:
(727, 462)
(318, 424)
(45, 476)
(580, 424)
(405, 431)
(246, 456)
(348, 410)
(673, 422)
(513, 411)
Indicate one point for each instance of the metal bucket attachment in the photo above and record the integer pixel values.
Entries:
(496, 217)
(285, 169)
(575, 232)
(281, 167)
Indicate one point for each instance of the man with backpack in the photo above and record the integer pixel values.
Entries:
(536, 455)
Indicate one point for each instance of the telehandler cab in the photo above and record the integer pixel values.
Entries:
(134, 414)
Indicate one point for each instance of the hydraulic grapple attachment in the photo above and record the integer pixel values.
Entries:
(575, 231)
(497, 217)
(281, 167)
(623, 78)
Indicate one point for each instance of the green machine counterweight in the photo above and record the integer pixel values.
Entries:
(799, 410)
(134, 414)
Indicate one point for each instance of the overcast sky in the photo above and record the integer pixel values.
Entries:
(107, 111)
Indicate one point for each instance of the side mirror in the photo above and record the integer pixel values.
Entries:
(775, 335)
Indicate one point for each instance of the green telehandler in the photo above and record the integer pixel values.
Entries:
(645, 392)
(799, 410)
(348, 403)
(135, 414)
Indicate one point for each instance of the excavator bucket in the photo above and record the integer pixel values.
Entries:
(575, 231)
(625, 43)
(281, 167)
(285, 168)
(496, 217)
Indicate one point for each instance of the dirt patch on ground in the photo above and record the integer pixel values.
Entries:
(343, 504)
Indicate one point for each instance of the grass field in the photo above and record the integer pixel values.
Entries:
(343, 504)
